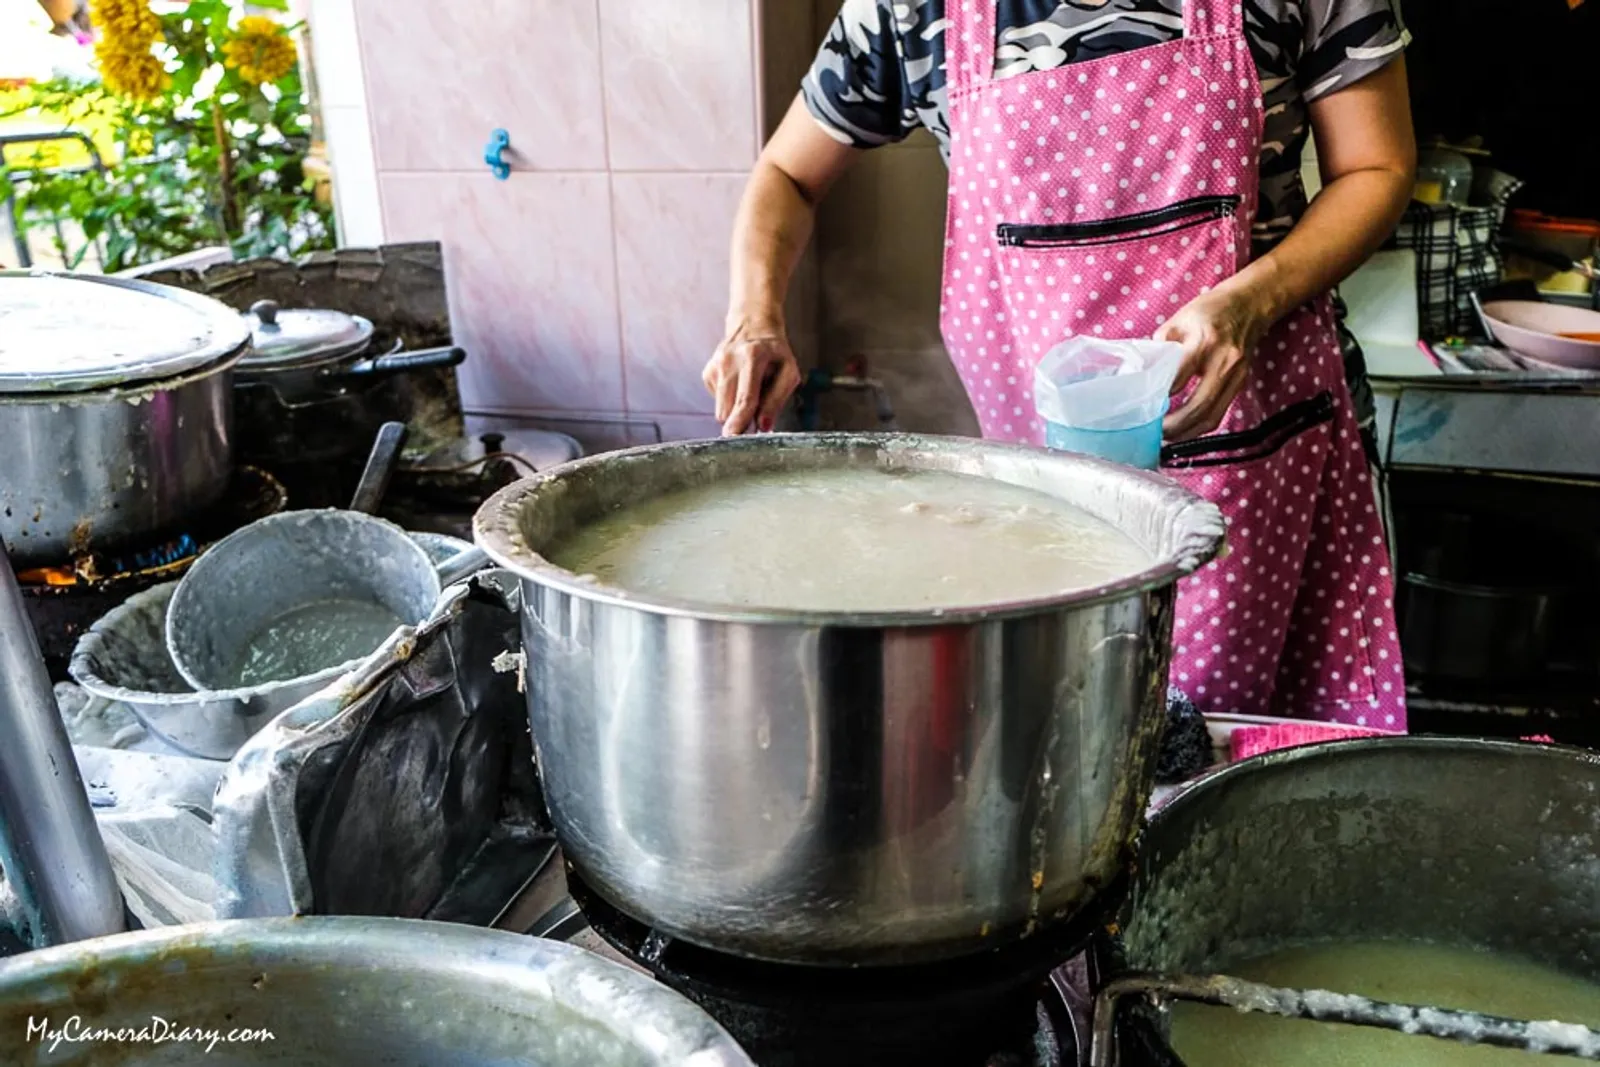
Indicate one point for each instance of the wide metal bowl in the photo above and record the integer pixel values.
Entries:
(1490, 845)
(123, 658)
(846, 788)
(344, 992)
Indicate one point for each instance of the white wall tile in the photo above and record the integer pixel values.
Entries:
(355, 176)
(336, 53)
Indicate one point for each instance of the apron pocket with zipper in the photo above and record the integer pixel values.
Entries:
(1265, 438)
(1117, 278)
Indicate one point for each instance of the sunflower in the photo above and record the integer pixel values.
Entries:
(136, 75)
(127, 30)
(261, 52)
(125, 24)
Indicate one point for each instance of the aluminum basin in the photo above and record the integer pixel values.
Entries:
(1490, 845)
(346, 992)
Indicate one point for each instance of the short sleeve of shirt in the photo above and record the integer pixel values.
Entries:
(1346, 40)
(856, 86)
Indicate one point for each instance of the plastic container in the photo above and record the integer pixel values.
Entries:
(1136, 446)
(1443, 177)
(1107, 398)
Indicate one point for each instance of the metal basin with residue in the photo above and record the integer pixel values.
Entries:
(1461, 843)
(344, 992)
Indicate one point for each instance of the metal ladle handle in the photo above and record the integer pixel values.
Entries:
(381, 464)
(1466, 1027)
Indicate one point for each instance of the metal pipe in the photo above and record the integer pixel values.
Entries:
(50, 844)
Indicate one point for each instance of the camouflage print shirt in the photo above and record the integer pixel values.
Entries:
(880, 74)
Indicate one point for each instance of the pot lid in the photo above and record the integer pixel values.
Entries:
(536, 449)
(63, 332)
(300, 338)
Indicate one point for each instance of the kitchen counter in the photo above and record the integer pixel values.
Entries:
(1509, 423)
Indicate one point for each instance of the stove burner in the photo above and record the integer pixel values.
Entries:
(253, 494)
(183, 547)
(64, 600)
(999, 1009)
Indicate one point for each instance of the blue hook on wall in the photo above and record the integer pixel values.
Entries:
(494, 155)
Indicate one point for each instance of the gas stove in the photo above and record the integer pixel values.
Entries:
(1019, 1007)
(65, 599)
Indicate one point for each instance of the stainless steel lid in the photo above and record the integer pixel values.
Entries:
(301, 338)
(73, 333)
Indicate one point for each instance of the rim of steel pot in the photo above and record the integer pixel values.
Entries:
(498, 531)
(1220, 778)
(124, 335)
(1289, 810)
(498, 986)
(296, 339)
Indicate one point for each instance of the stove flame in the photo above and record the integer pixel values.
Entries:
(91, 569)
(160, 556)
(57, 576)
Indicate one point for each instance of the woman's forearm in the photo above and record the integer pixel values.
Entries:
(770, 232)
(1347, 222)
(753, 371)
(1369, 159)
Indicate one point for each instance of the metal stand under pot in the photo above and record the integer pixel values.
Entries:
(1005, 1008)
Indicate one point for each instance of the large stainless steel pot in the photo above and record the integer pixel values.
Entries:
(116, 403)
(345, 992)
(832, 789)
(1486, 844)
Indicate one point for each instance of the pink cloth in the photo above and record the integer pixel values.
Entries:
(1247, 741)
(1098, 199)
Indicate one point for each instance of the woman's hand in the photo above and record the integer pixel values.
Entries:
(753, 372)
(1368, 159)
(1219, 331)
(751, 375)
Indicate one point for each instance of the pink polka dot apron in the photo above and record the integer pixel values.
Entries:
(1099, 198)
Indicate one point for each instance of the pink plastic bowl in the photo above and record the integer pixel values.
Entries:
(1535, 330)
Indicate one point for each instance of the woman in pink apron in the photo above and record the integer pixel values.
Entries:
(1130, 168)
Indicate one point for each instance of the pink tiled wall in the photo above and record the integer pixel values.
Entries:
(590, 287)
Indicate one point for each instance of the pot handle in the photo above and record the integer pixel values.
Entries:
(397, 362)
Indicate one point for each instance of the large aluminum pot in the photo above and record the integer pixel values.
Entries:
(846, 789)
(344, 992)
(1485, 844)
(116, 398)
